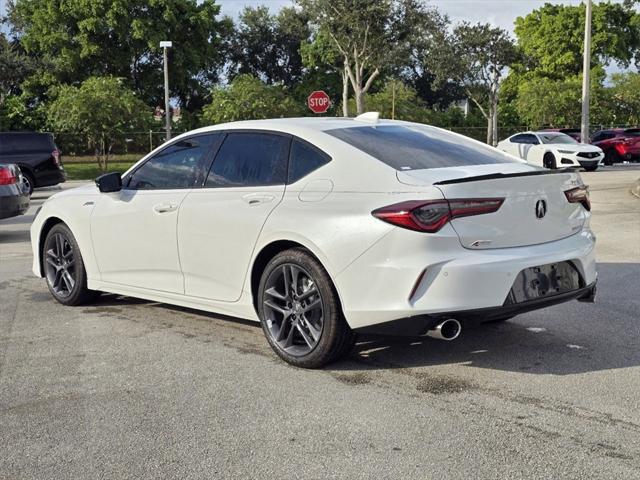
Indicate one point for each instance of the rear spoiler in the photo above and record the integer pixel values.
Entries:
(494, 176)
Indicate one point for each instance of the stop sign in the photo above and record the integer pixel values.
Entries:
(318, 101)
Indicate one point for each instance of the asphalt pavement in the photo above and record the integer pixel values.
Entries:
(125, 388)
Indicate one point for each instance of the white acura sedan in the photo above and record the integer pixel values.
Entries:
(320, 228)
(552, 150)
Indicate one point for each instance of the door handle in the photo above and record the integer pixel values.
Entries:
(165, 207)
(256, 199)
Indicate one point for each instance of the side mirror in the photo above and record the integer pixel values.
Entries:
(109, 182)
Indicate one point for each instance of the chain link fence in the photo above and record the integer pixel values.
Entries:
(132, 146)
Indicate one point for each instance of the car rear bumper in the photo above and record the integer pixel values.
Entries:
(13, 201)
(49, 176)
(407, 275)
(421, 324)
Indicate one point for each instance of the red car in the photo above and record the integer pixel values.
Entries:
(618, 144)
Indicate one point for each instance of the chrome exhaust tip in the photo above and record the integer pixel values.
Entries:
(448, 329)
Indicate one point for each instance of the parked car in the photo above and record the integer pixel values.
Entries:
(37, 156)
(321, 228)
(574, 133)
(552, 150)
(618, 144)
(14, 195)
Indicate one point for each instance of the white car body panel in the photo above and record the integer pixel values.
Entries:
(201, 254)
(566, 154)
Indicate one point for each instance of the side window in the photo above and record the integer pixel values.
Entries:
(518, 139)
(304, 159)
(250, 159)
(177, 166)
(531, 139)
(598, 137)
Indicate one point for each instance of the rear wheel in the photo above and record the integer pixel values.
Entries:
(300, 312)
(549, 161)
(27, 180)
(611, 157)
(64, 269)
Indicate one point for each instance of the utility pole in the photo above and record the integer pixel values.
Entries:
(167, 112)
(586, 76)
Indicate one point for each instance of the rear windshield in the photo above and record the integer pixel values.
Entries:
(632, 132)
(416, 147)
(25, 142)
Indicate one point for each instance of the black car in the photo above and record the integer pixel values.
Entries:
(37, 156)
(14, 194)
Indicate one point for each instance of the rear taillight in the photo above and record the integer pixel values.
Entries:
(8, 176)
(579, 195)
(431, 216)
(56, 156)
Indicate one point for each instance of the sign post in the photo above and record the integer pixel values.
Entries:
(318, 101)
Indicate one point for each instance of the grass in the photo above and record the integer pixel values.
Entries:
(89, 171)
(123, 157)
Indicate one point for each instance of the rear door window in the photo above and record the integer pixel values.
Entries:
(250, 159)
(304, 159)
(417, 147)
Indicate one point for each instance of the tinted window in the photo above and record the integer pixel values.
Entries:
(304, 159)
(557, 138)
(526, 138)
(26, 142)
(600, 136)
(632, 132)
(177, 166)
(418, 147)
(250, 159)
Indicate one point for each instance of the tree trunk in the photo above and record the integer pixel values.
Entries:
(359, 100)
(489, 128)
(345, 92)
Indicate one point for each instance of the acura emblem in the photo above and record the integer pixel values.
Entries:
(541, 208)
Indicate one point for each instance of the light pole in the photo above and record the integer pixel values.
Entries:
(167, 111)
(586, 76)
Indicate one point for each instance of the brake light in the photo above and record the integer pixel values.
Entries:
(431, 216)
(8, 176)
(56, 156)
(579, 195)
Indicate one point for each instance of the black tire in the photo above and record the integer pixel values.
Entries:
(549, 161)
(28, 179)
(64, 269)
(611, 157)
(300, 311)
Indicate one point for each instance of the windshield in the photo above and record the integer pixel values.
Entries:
(416, 147)
(556, 138)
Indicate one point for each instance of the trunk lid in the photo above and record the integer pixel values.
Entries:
(535, 208)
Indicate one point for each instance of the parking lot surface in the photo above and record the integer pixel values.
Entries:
(124, 388)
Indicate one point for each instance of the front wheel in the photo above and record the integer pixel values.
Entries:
(300, 311)
(64, 269)
(28, 182)
(549, 161)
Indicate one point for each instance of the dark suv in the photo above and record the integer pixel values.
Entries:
(37, 156)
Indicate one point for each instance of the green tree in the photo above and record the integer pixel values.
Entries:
(268, 46)
(248, 98)
(102, 109)
(625, 98)
(15, 66)
(476, 57)
(399, 101)
(370, 36)
(121, 38)
(551, 37)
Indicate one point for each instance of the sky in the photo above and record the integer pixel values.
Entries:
(501, 13)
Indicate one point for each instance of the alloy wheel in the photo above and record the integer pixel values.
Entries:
(293, 308)
(60, 265)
